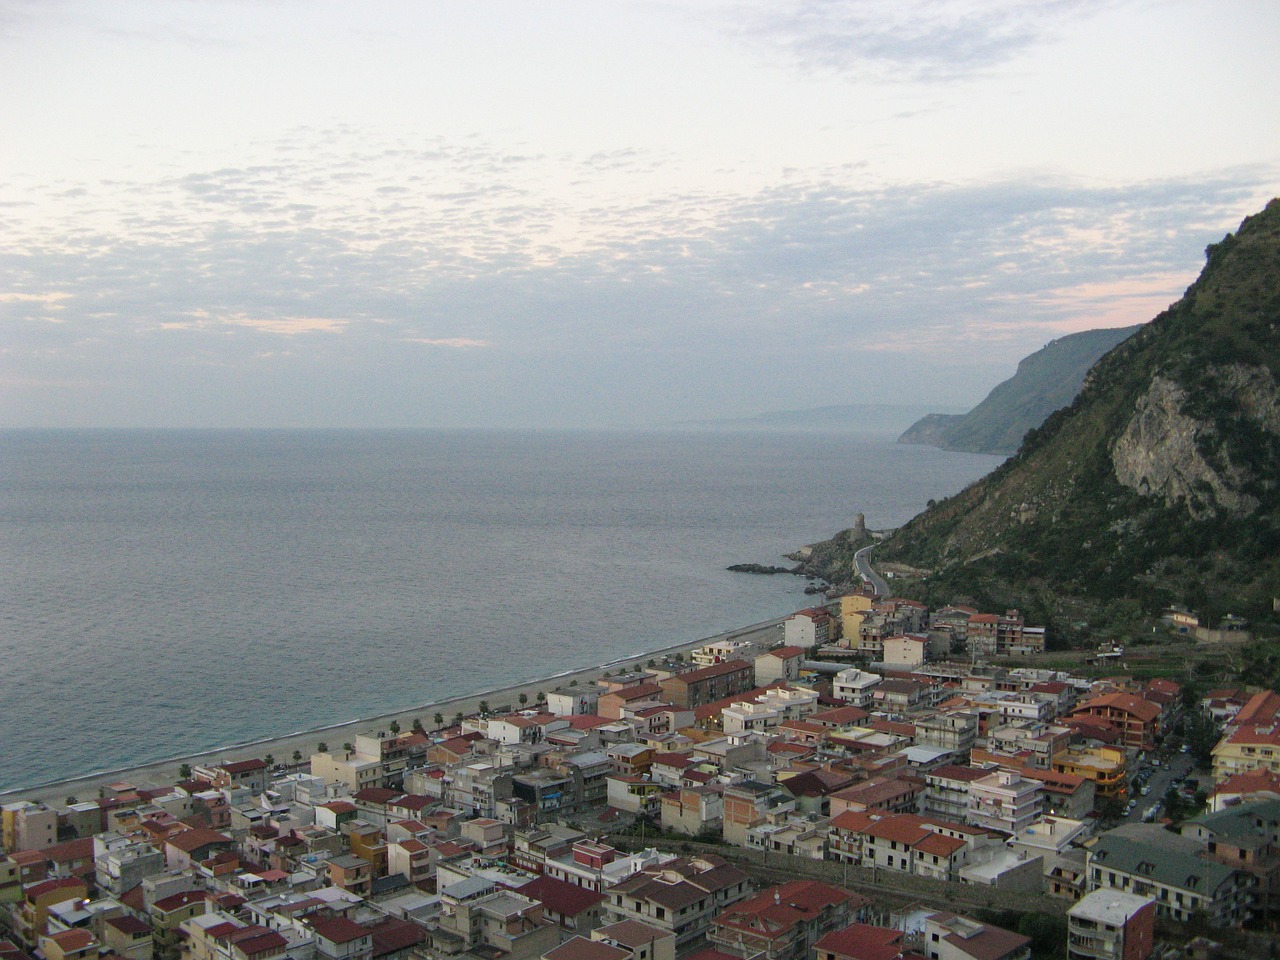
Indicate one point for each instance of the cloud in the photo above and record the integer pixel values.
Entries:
(691, 293)
(463, 343)
(906, 40)
(288, 326)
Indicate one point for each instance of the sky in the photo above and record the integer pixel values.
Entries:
(463, 213)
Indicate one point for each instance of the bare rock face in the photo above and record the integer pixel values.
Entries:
(1162, 450)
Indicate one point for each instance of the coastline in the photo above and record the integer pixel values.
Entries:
(163, 772)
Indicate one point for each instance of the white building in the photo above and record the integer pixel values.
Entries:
(1111, 923)
(572, 701)
(807, 628)
(721, 650)
(855, 686)
(1004, 801)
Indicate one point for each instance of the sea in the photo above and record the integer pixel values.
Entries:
(170, 592)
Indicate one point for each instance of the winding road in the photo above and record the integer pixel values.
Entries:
(863, 566)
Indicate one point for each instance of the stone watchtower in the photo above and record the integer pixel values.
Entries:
(859, 531)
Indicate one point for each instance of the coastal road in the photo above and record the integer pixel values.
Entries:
(863, 566)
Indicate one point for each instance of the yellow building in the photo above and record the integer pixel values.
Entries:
(853, 608)
(1107, 767)
(10, 880)
(33, 919)
(1246, 749)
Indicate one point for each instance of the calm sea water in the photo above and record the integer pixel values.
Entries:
(170, 592)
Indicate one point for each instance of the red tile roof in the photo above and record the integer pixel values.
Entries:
(189, 841)
(706, 673)
(1144, 710)
(580, 948)
(70, 851)
(560, 896)
(71, 941)
(176, 901)
(338, 929)
(774, 912)
(129, 925)
(242, 766)
(37, 890)
(862, 941)
(393, 935)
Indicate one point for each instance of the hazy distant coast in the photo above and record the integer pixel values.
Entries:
(164, 772)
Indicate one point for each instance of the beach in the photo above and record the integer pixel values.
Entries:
(165, 772)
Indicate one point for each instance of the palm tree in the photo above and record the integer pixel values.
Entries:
(394, 726)
(297, 756)
(457, 719)
(417, 725)
(523, 698)
(184, 772)
(322, 747)
(348, 747)
(439, 719)
(484, 706)
(269, 760)
(541, 696)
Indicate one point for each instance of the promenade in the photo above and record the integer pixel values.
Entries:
(282, 748)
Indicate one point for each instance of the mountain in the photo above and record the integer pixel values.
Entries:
(1159, 483)
(852, 417)
(1046, 381)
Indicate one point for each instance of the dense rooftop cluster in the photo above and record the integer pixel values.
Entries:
(871, 736)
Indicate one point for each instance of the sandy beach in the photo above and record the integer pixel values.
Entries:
(281, 748)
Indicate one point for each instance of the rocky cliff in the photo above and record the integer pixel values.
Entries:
(1046, 381)
(1159, 483)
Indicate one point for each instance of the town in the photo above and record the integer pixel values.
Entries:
(867, 780)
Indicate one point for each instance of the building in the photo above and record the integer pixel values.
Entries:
(1246, 749)
(641, 941)
(855, 686)
(1136, 720)
(946, 792)
(1169, 870)
(955, 730)
(708, 684)
(27, 826)
(861, 941)
(905, 650)
(680, 897)
(1111, 925)
(1246, 837)
(478, 920)
(251, 775)
(809, 628)
(784, 922)
(1106, 767)
(571, 907)
(572, 701)
(950, 937)
(749, 803)
(782, 663)
(338, 938)
(695, 811)
(1004, 801)
(39, 898)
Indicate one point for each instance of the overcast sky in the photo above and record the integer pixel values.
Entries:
(543, 212)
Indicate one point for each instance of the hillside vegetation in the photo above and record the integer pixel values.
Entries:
(1159, 483)
(1046, 381)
